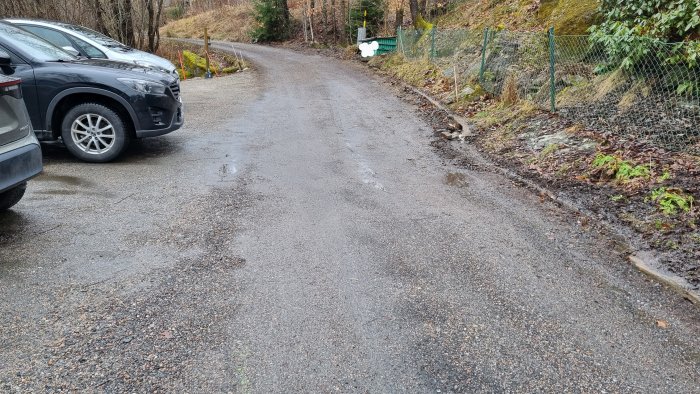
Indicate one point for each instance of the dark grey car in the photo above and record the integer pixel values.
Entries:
(20, 153)
(95, 106)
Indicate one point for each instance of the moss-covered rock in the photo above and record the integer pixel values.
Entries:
(196, 65)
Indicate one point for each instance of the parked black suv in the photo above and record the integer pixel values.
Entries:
(95, 106)
(20, 154)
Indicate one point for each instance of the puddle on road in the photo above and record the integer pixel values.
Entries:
(10, 221)
(57, 192)
(65, 179)
(50, 185)
(12, 226)
(228, 169)
(456, 179)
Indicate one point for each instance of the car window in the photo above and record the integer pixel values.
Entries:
(97, 37)
(89, 50)
(32, 46)
(55, 37)
(13, 58)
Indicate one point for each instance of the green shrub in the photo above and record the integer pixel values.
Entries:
(632, 32)
(374, 18)
(175, 12)
(613, 167)
(272, 17)
(671, 200)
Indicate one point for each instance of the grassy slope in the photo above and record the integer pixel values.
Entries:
(567, 16)
(230, 23)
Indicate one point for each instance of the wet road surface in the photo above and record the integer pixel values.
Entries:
(300, 234)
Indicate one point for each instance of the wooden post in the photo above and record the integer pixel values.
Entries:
(206, 53)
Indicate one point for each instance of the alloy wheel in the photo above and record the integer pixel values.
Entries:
(93, 134)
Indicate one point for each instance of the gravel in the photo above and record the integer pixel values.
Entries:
(300, 234)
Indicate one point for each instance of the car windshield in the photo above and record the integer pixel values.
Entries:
(97, 37)
(33, 46)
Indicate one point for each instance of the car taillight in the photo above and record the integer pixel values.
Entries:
(11, 88)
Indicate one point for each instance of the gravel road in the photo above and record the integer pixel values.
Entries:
(301, 234)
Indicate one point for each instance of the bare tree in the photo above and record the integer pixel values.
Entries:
(153, 23)
(133, 22)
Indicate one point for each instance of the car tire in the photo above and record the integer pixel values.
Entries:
(8, 198)
(94, 133)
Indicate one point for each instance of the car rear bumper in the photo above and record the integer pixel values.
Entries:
(19, 165)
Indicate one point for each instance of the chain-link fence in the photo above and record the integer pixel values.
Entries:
(657, 99)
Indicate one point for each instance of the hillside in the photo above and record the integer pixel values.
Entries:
(229, 22)
(233, 22)
(567, 16)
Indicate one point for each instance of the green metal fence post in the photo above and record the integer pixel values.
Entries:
(483, 55)
(552, 87)
(432, 42)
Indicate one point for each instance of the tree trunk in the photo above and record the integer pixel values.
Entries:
(303, 21)
(99, 17)
(399, 19)
(126, 24)
(324, 13)
(413, 4)
(333, 22)
(417, 10)
(156, 40)
(343, 19)
(311, 21)
(151, 30)
(286, 13)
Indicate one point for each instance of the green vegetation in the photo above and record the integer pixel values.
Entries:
(374, 17)
(671, 200)
(664, 177)
(175, 12)
(632, 30)
(613, 167)
(695, 237)
(549, 149)
(272, 17)
(617, 198)
(194, 65)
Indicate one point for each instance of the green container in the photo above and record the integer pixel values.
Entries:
(386, 44)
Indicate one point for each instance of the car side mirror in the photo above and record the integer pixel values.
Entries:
(71, 50)
(5, 59)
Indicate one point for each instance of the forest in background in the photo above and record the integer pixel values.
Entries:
(133, 22)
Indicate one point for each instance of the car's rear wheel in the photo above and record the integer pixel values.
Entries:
(94, 133)
(8, 198)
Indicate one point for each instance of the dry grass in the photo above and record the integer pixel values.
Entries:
(509, 95)
(567, 16)
(230, 23)
(608, 83)
(638, 91)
